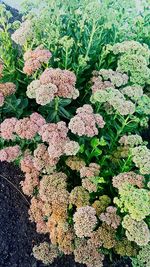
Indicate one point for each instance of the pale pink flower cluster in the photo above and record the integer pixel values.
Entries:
(23, 34)
(135, 92)
(91, 171)
(64, 80)
(59, 143)
(7, 129)
(131, 140)
(128, 177)
(6, 89)
(27, 128)
(136, 231)
(10, 153)
(84, 221)
(85, 122)
(53, 82)
(34, 59)
(99, 84)
(88, 173)
(88, 254)
(42, 160)
(110, 217)
(1, 99)
(31, 175)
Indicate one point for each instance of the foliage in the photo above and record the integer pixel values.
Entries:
(74, 102)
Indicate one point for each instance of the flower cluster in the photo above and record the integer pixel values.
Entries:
(134, 92)
(128, 178)
(56, 136)
(143, 257)
(53, 82)
(79, 197)
(85, 221)
(10, 153)
(110, 217)
(75, 163)
(34, 59)
(133, 60)
(6, 89)
(101, 204)
(23, 34)
(141, 158)
(45, 252)
(85, 122)
(88, 254)
(87, 174)
(134, 200)
(115, 99)
(7, 129)
(125, 247)
(131, 140)
(136, 231)
(31, 175)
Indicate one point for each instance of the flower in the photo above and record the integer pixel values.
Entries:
(141, 158)
(64, 80)
(7, 129)
(84, 123)
(7, 88)
(26, 128)
(1, 99)
(35, 58)
(10, 153)
(136, 231)
(125, 247)
(45, 252)
(143, 257)
(85, 221)
(75, 163)
(131, 140)
(23, 34)
(135, 92)
(79, 197)
(110, 217)
(133, 200)
(101, 204)
(71, 148)
(128, 177)
(45, 93)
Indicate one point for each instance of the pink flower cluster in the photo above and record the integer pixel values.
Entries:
(85, 122)
(6, 89)
(24, 33)
(53, 82)
(28, 127)
(7, 129)
(59, 143)
(88, 173)
(110, 217)
(128, 177)
(10, 154)
(34, 59)
(31, 175)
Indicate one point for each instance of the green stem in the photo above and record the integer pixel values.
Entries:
(56, 103)
(91, 39)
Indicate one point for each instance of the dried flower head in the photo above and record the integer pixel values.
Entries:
(125, 247)
(75, 163)
(7, 88)
(10, 153)
(101, 204)
(79, 197)
(45, 252)
(128, 177)
(7, 129)
(110, 217)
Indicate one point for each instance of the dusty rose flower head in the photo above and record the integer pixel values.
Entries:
(1, 99)
(7, 128)
(135, 92)
(30, 182)
(84, 221)
(131, 140)
(34, 59)
(23, 34)
(37, 119)
(104, 236)
(128, 177)
(7, 88)
(110, 217)
(10, 154)
(26, 128)
(88, 254)
(32, 88)
(85, 122)
(64, 80)
(91, 171)
(52, 133)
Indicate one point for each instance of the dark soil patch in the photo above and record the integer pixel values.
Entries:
(17, 233)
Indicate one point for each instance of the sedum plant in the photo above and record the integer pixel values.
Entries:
(77, 137)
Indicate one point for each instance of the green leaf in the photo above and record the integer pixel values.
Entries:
(82, 148)
(102, 142)
(97, 152)
(95, 142)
